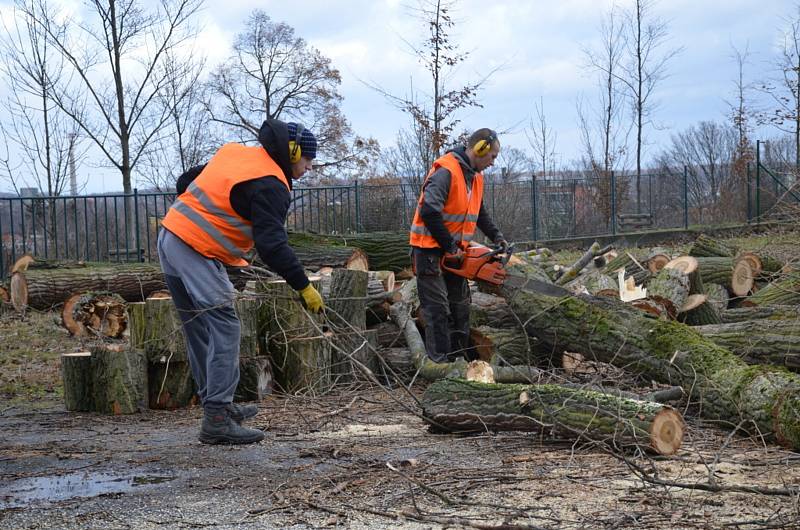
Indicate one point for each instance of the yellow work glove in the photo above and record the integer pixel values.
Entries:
(312, 298)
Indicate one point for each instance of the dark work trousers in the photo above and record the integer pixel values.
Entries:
(204, 295)
(444, 302)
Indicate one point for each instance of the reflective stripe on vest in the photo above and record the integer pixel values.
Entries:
(203, 216)
(460, 211)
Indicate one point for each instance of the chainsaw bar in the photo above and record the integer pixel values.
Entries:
(537, 286)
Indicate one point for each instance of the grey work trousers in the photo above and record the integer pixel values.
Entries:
(444, 300)
(203, 294)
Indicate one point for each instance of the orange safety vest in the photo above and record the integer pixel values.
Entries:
(460, 212)
(203, 217)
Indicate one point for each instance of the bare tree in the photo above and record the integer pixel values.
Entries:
(741, 115)
(36, 128)
(542, 139)
(784, 90)
(116, 55)
(643, 69)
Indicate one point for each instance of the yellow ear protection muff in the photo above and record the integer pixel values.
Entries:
(483, 147)
(294, 145)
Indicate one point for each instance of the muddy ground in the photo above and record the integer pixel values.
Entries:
(359, 458)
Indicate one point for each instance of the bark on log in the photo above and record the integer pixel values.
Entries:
(503, 347)
(132, 281)
(283, 312)
(723, 385)
(76, 372)
(156, 330)
(632, 266)
(255, 379)
(689, 266)
(764, 312)
(783, 291)
(490, 310)
(760, 341)
(699, 311)
(592, 282)
(98, 314)
(351, 353)
(572, 271)
(705, 246)
(119, 379)
(302, 365)
(386, 279)
(314, 257)
(347, 304)
(170, 385)
(18, 292)
(384, 250)
(399, 362)
(253, 336)
(717, 296)
(671, 287)
(458, 405)
(737, 277)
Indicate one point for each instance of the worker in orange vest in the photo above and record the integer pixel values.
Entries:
(449, 210)
(238, 200)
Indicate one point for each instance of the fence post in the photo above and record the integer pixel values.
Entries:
(534, 209)
(358, 209)
(2, 251)
(685, 198)
(749, 193)
(613, 204)
(758, 181)
(138, 236)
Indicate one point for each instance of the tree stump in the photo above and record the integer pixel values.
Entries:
(255, 379)
(76, 372)
(302, 364)
(119, 379)
(100, 314)
(351, 353)
(170, 385)
(347, 305)
(156, 330)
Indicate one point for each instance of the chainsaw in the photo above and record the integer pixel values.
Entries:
(489, 265)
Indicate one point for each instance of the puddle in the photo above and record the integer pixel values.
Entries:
(56, 488)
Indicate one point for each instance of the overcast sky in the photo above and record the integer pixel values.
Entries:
(538, 45)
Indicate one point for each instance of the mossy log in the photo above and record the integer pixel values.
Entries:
(98, 314)
(706, 246)
(132, 281)
(736, 276)
(632, 267)
(490, 310)
(723, 386)
(763, 312)
(384, 250)
(503, 347)
(76, 372)
(458, 405)
(718, 296)
(347, 304)
(671, 287)
(119, 379)
(593, 282)
(760, 341)
(255, 379)
(571, 272)
(170, 385)
(783, 291)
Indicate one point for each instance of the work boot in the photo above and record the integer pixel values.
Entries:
(239, 413)
(219, 427)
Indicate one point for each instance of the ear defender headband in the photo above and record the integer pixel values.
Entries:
(482, 147)
(295, 152)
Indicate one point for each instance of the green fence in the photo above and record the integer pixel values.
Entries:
(124, 227)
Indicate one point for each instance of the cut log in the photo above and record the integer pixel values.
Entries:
(774, 342)
(18, 289)
(689, 266)
(631, 266)
(283, 312)
(737, 277)
(384, 250)
(119, 379)
(302, 365)
(490, 310)
(698, 311)
(399, 363)
(669, 286)
(503, 347)
(721, 384)
(783, 291)
(592, 282)
(571, 272)
(389, 335)
(253, 336)
(170, 385)
(705, 246)
(255, 379)
(657, 259)
(352, 353)
(76, 372)
(753, 260)
(45, 288)
(458, 405)
(776, 312)
(314, 257)
(347, 304)
(386, 278)
(717, 296)
(98, 314)
(156, 330)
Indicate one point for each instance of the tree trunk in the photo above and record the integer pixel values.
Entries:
(737, 277)
(457, 405)
(119, 379)
(503, 347)
(632, 266)
(759, 341)
(156, 330)
(76, 371)
(385, 250)
(490, 310)
(670, 352)
(347, 304)
(705, 246)
(776, 312)
(98, 314)
(698, 311)
(717, 295)
(783, 291)
(670, 287)
(170, 385)
(132, 281)
(314, 257)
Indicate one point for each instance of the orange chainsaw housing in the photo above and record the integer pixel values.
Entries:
(480, 263)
